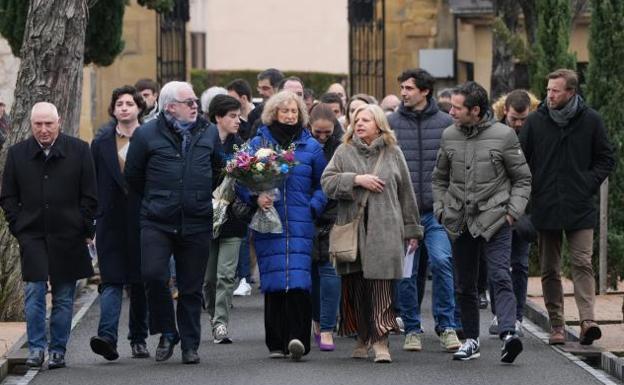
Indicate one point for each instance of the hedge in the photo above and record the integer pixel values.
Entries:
(317, 81)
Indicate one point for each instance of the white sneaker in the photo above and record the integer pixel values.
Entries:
(401, 324)
(468, 351)
(220, 334)
(243, 288)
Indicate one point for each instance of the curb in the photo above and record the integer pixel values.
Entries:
(83, 299)
(609, 362)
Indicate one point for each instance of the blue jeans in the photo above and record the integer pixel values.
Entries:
(326, 285)
(242, 270)
(519, 274)
(110, 309)
(443, 298)
(60, 318)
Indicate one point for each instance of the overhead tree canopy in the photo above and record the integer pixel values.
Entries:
(104, 29)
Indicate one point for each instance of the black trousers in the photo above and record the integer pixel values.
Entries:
(138, 313)
(190, 253)
(497, 251)
(287, 315)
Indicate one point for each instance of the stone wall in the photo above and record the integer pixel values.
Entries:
(412, 25)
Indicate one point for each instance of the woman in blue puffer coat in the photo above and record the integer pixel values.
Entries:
(284, 260)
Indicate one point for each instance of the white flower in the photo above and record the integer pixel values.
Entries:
(264, 153)
(259, 166)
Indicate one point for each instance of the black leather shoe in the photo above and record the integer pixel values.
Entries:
(190, 357)
(56, 361)
(104, 348)
(139, 350)
(35, 359)
(164, 350)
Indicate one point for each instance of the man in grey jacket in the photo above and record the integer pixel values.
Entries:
(481, 185)
(418, 125)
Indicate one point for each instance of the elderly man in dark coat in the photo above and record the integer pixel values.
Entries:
(119, 254)
(170, 162)
(49, 198)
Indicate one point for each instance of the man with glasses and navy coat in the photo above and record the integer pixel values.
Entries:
(170, 163)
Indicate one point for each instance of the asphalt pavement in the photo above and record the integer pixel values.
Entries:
(246, 361)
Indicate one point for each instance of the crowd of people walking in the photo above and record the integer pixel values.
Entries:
(452, 183)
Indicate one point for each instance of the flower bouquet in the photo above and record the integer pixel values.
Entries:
(262, 171)
(222, 197)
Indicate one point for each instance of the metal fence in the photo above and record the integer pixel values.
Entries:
(367, 47)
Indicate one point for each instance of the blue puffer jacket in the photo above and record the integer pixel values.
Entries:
(284, 260)
(419, 133)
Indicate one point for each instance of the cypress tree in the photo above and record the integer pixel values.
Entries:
(12, 22)
(103, 37)
(605, 91)
(553, 38)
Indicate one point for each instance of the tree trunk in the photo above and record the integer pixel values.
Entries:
(530, 20)
(502, 80)
(50, 70)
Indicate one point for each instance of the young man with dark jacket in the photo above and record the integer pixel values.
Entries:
(569, 153)
(481, 185)
(171, 162)
(418, 125)
(225, 114)
(118, 233)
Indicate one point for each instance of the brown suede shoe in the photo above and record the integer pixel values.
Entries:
(361, 350)
(589, 332)
(557, 336)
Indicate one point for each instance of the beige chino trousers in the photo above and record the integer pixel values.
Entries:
(580, 244)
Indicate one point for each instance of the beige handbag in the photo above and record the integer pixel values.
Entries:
(343, 239)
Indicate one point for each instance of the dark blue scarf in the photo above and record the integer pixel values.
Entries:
(183, 129)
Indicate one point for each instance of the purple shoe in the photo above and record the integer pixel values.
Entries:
(327, 347)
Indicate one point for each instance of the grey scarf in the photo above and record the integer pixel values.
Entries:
(563, 116)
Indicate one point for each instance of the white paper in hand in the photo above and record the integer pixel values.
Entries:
(408, 262)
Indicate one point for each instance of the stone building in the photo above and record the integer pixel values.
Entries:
(387, 36)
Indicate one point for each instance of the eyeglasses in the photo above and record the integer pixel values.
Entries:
(189, 102)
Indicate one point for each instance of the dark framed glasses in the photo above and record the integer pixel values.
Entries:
(189, 102)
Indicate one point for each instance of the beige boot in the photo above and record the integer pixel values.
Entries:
(360, 350)
(382, 352)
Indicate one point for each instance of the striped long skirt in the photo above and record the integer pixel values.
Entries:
(367, 308)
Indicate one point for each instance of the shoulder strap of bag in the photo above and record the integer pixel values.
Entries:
(367, 193)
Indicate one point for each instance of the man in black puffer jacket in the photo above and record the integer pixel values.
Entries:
(418, 125)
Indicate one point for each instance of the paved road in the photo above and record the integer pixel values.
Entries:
(246, 361)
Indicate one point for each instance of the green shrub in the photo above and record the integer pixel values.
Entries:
(317, 81)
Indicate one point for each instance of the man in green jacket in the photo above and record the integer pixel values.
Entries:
(481, 185)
